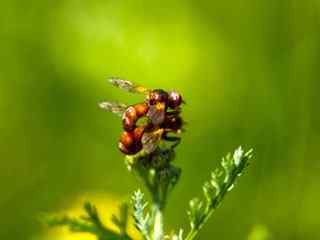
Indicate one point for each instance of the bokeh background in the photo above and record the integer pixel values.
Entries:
(248, 70)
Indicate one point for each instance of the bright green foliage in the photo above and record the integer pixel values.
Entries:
(91, 223)
(122, 221)
(221, 182)
(160, 176)
(142, 220)
(178, 236)
(157, 172)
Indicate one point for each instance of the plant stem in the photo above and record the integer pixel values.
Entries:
(158, 223)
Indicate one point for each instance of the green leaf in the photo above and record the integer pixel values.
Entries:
(122, 221)
(196, 212)
(142, 220)
(89, 223)
(222, 181)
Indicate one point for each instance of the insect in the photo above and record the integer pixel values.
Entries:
(160, 112)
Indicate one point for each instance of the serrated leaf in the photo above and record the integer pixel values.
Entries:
(121, 221)
(221, 182)
(142, 220)
(196, 212)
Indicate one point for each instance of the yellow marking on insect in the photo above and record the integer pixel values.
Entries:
(158, 132)
(160, 106)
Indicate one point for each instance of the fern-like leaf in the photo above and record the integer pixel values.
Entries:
(88, 223)
(222, 181)
(142, 220)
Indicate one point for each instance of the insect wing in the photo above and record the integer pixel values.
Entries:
(156, 113)
(150, 140)
(114, 107)
(127, 85)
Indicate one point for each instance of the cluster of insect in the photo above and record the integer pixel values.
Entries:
(147, 123)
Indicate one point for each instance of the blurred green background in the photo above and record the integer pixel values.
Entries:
(249, 71)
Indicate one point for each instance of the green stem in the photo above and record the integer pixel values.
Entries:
(158, 223)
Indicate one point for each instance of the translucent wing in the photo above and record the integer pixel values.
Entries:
(150, 140)
(157, 113)
(127, 85)
(114, 107)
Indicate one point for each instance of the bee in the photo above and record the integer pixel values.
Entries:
(161, 110)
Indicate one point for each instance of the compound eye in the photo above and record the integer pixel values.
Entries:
(174, 99)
